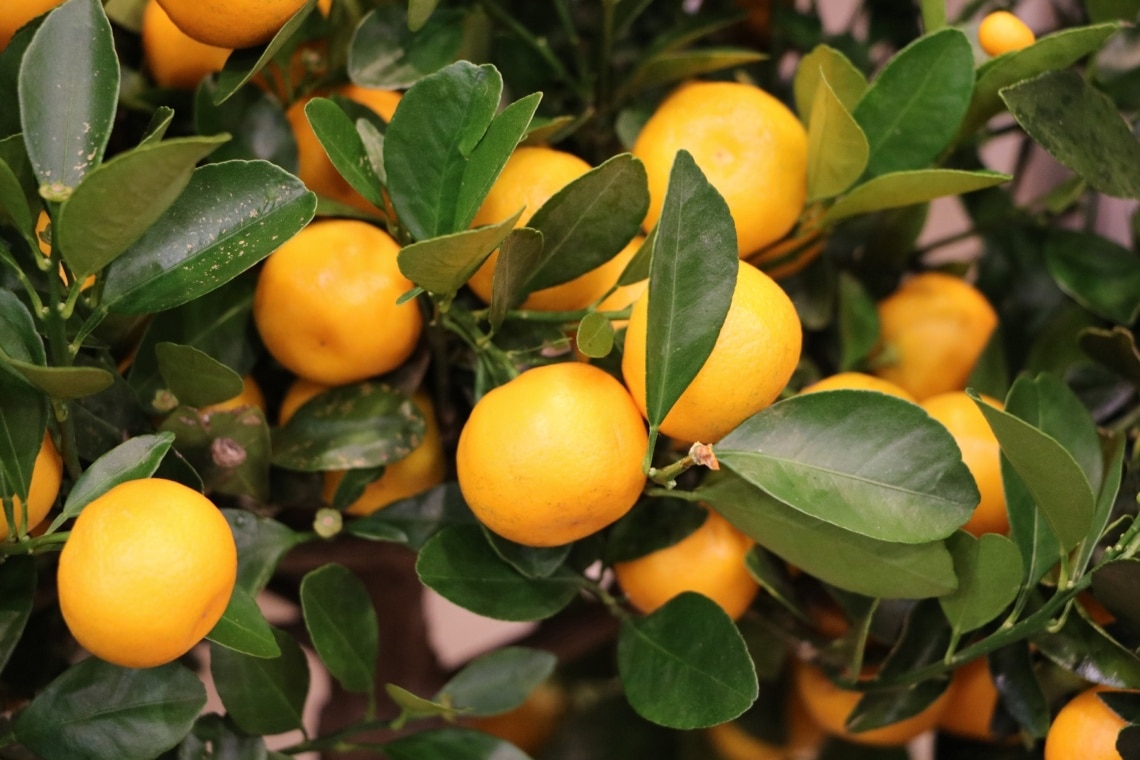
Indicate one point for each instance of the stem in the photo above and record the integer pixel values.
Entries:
(667, 476)
(336, 739)
(28, 547)
(538, 44)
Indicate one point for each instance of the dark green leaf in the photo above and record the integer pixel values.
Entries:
(338, 136)
(229, 448)
(772, 575)
(1089, 653)
(254, 118)
(243, 628)
(99, 711)
(1014, 673)
(865, 462)
(342, 624)
(194, 377)
(497, 682)
(23, 409)
(1080, 127)
(845, 560)
(989, 579)
(1028, 527)
(372, 139)
(595, 336)
(1097, 273)
(675, 65)
(884, 707)
(1116, 585)
(17, 591)
(389, 53)
(352, 486)
(905, 188)
(71, 60)
(415, 520)
(453, 744)
(690, 284)
(160, 121)
(63, 383)
(686, 666)
(932, 75)
(1115, 349)
(215, 738)
(262, 696)
(231, 216)
(858, 322)
(462, 567)
(530, 561)
(241, 65)
(261, 543)
(14, 202)
(119, 200)
(518, 258)
(837, 147)
(637, 269)
(444, 264)
(652, 524)
(365, 424)
(846, 81)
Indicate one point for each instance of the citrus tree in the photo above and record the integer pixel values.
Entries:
(615, 315)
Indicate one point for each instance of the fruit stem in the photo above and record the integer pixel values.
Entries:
(29, 547)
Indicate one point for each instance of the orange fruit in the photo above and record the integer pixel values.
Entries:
(251, 395)
(973, 699)
(420, 470)
(16, 13)
(830, 705)
(146, 572)
(173, 58)
(298, 392)
(981, 453)
(731, 741)
(325, 303)
(231, 23)
(1002, 32)
(749, 145)
(553, 455)
(932, 330)
(1085, 728)
(754, 356)
(531, 725)
(710, 560)
(530, 178)
(47, 474)
(623, 296)
(43, 239)
(313, 165)
(859, 381)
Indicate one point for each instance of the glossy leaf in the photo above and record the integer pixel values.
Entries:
(530, 561)
(837, 147)
(672, 66)
(843, 559)
(365, 424)
(461, 566)
(1080, 127)
(1014, 672)
(215, 738)
(452, 743)
(690, 284)
(262, 696)
(243, 628)
(17, 592)
(989, 579)
(261, 543)
(519, 257)
(338, 136)
(63, 383)
(71, 59)
(229, 448)
(444, 264)
(415, 520)
(905, 188)
(846, 81)
(231, 216)
(885, 707)
(498, 681)
(1097, 273)
(387, 52)
(119, 200)
(932, 75)
(685, 665)
(372, 140)
(254, 118)
(243, 64)
(1089, 653)
(595, 336)
(100, 711)
(653, 523)
(1028, 527)
(342, 625)
(865, 462)
(194, 377)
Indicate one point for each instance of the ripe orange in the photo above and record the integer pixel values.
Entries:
(325, 303)
(710, 560)
(625, 295)
(1002, 32)
(420, 470)
(251, 395)
(47, 474)
(1086, 728)
(298, 392)
(755, 354)
(16, 13)
(830, 705)
(231, 23)
(43, 238)
(146, 572)
(552, 456)
(932, 330)
(804, 738)
(973, 699)
(531, 725)
(859, 381)
(981, 453)
(749, 145)
(313, 165)
(173, 58)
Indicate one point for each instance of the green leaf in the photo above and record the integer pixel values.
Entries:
(865, 462)
(254, 118)
(261, 543)
(888, 706)
(372, 139)
(519, 257)
(350, 427)
(1115, 349)
(419, 11)
(498, 681)
(690, 284)
(413, 706)
(119, 200)
(453, 744)
(653, 523)
(595, 336)
(837, 147)
(911, 112)
(1089, 653)
(340, 140)
(906, 188)
(1028, 527)
(62, 383)
(243, 628)
(215, 738)
(1097, 273)
(858, 322)
(685, 665)
(389, 53)
(99, 711)
(14, 203)
(414, 520)
(231, 216)
(461, 566)
(837, 557)
(229, 449)
(933, 15)
(194, 377)
(1014, 671)
(342, 625)
(1080, 127)
(1116, 585)
(845, 80)
(989, 579)
(160, 122)
(530, 561)
(262, 696)
(444, 264)
(242, 64)
(1047, 403)
(672, 66)
(1059, 50)
(1055, 480)
(23, 409)
(70, 60)
(17, 592)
